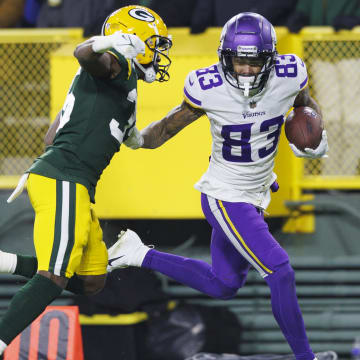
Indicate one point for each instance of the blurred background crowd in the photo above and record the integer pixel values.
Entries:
(198, 15)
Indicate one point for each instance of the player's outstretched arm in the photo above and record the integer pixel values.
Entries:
(93, 57)
(160, 131)
(97, 64)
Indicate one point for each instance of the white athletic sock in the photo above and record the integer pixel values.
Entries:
(2, 347)
(8, 262)
(138, 256)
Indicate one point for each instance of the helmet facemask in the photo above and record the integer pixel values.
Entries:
(249, 84)
(161, 62)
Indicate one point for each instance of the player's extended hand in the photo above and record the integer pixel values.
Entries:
(128, 45)
(319, 152)
(135, 139)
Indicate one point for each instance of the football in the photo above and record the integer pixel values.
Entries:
(303, 128)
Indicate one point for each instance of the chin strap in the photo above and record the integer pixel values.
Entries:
(247, 89)
(245, 82)
(150, 74)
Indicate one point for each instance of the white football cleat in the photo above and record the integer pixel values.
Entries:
(128, 250)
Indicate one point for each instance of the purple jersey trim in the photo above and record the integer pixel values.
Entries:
(303, 83)
(197, 102)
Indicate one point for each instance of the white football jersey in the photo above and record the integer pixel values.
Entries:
(245, 130)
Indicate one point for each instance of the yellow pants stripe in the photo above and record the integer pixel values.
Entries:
(239, 237)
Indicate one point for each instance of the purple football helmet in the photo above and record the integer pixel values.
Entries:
(251, 36)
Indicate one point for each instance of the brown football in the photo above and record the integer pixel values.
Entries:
(303, 128)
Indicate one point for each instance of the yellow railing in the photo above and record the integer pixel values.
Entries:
(37, 67)
(25, 95)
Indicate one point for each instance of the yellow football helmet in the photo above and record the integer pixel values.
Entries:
(151, 29)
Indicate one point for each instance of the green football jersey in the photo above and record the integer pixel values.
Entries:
(96, 118)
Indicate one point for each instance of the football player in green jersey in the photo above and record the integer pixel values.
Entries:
(99, 114)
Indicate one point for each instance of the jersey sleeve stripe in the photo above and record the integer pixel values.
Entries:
(192, 99)
(114, 53)
(191, 103)
(304, 83)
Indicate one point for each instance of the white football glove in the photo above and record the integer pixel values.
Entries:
(128, 45)
(319, 152)
(135, 140)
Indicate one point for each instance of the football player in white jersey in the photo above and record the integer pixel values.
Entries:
(245, 96)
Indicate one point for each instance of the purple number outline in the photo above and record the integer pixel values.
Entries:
(286, 67)
(244, 142)
(211, 83)
(265, 126)
(245, 130)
